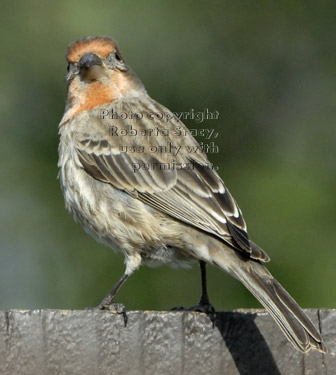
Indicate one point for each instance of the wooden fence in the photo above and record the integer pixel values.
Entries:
(63, 342)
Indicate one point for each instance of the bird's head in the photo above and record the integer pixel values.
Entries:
(98, 74)
(94, 58)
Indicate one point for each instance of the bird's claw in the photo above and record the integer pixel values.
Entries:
(206, 308)
(117, 308)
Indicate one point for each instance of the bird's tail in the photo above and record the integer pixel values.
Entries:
(294, 323)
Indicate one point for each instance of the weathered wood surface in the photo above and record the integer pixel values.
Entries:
(66, 342)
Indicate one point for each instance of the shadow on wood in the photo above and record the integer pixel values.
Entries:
(157, 343)
(245, 343)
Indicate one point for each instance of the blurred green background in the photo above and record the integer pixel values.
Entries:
(269, 68)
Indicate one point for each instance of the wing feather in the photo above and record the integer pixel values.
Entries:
(195, 195)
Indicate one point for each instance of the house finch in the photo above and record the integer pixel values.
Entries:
(140, 186)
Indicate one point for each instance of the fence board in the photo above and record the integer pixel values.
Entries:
(63, 342)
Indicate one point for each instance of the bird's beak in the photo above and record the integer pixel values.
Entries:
(91, 67)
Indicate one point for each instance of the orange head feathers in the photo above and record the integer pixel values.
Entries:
(101, 46)
(97, 74)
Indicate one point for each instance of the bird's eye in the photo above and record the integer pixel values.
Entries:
(117, 56)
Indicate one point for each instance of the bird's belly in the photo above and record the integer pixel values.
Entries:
(120, 221)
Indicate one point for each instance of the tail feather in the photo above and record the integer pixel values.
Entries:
(294, 323)
(286, 312)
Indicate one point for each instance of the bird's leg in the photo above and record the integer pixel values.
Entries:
(204, 304)
(204, 301)
(108, 299)
(107, 302)
(132, 264)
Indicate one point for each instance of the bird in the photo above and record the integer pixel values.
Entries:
(157, 206)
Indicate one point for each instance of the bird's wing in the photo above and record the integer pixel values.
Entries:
(175, 181)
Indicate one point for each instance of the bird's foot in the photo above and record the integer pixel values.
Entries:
(118, 308)
(203, 307)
